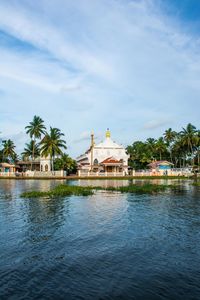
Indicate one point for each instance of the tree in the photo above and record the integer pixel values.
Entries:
(169, 137)
(188, 136)
(52, 144)
(30, 148)
(9, 150)
(65, 163)
(160, 147)
(35, 129)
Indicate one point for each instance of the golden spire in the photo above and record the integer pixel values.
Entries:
(107, 133)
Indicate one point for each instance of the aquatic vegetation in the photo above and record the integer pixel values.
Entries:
(197, 183)
(66, 190)
(60, 191)
(146, 188)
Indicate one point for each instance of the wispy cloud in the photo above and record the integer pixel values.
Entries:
(155, 124)
(86, 65)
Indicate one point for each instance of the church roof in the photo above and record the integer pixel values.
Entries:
(108, 143)
(111, 160)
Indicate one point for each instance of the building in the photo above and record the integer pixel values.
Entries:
(105, 158)
(7, 168)
(162, 167)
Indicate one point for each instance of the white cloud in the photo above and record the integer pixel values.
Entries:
(98, 64)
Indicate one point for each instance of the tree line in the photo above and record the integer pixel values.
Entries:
(180, 148)
(42, 143)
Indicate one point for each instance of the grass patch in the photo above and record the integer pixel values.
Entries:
(141, 189)
(65, 190)
(197, 183)
(60, 191)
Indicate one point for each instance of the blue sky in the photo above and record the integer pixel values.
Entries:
(83, 65)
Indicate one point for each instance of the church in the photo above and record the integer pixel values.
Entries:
(104, 159)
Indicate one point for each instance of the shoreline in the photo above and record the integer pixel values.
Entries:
(97, 178)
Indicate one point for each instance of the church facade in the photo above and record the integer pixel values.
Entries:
(105, 158)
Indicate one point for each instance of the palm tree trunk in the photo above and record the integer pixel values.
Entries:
(33, 155)
(171, 156)
(52, 163)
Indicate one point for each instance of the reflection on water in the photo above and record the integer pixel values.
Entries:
(105, 246)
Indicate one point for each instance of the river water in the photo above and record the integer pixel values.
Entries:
(105, 246)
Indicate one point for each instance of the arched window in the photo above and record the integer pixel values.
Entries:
(96, 161)
(46, 168)
(41, 168)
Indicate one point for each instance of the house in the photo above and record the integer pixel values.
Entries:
(7, 168)
(162, 167)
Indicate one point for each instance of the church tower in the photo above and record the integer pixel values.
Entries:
(108, 133)
(45, 164)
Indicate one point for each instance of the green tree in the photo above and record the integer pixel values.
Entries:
(35, 129)
(52, 144)
(160, 147)
(9, 150)
(30, 148)
(170, 137)
(65, 163)
(188, 136)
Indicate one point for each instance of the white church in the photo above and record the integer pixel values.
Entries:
(104, 159)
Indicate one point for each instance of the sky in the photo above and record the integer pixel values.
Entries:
(87, 65)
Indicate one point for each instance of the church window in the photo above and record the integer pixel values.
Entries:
(96, 161)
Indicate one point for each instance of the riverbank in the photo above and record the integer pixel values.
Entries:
(95, 177)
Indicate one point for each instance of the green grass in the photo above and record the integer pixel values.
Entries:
(65, 190)
(142, 189)
(60, 191)
(197, 183)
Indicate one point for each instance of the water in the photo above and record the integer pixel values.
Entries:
(105, 246)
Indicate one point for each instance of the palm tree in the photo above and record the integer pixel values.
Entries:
(188, 135)
(52, 144)
(9, 150)
(169, 137)
(30, 147)
(35, 129)
(66, 163)
(160, 147)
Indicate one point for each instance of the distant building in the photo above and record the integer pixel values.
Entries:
(7, 168)
(161, 166)
(42, 164)
(105, 158)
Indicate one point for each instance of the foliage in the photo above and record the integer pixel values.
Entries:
(35, 129)
(65, 163)
(29, 148)
(181, 148)
(60, 191)
(66, 190)
(52, 144)
(8, 152)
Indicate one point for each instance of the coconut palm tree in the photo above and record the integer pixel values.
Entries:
(35, 129)
(29, 148)
(188, 136)
(9, 150)
(52, 144)
(169, 137)
(66, 163)
(160, 147)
